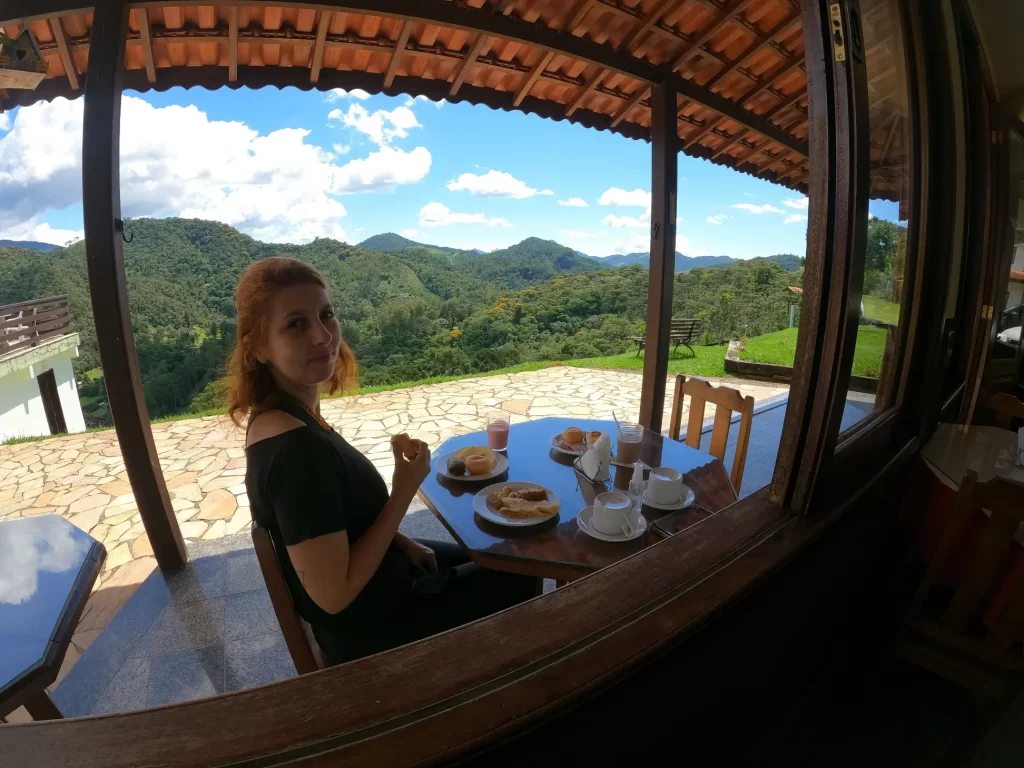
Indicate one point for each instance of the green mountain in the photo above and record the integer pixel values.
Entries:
(389, 242)
(34, 245)
(684, 263)
(408, 314)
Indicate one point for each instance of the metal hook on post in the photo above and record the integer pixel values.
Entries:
(119, 226)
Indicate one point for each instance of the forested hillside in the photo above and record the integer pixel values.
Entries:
(412, 313)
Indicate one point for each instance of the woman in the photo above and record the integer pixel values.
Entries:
(363, 586)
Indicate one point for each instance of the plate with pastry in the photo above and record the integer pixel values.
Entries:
(516, 504)
(573, 441)
(472, 463)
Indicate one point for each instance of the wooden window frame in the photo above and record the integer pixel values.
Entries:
(436, 699)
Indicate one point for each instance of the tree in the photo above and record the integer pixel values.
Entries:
(883, 238)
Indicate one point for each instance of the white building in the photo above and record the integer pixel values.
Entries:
(38, 394)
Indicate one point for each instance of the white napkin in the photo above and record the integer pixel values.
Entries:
(597, 461)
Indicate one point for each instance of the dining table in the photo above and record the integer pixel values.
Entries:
(47, 570)
(931, 493)
(557, 548)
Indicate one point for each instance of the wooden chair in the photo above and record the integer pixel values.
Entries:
(298, 636)
(949, 638)
(1007, 408)
(726, 401)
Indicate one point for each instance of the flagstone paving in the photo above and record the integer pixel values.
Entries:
(82, 477)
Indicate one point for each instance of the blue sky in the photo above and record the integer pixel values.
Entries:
(291, 165)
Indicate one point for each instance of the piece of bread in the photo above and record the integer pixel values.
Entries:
(410, 448)
(477, 464)
(456, 466)
(593, 437)
(572, 435)
(479, 450)
(521, 508)
(530, 493)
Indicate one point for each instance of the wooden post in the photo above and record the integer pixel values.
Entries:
(101, 208)
(664, 179)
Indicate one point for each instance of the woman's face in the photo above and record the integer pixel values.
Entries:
(303, 335)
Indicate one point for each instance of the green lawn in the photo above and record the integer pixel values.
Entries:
(708, 361)
(779, 348)
(93, 373)
(880, 309)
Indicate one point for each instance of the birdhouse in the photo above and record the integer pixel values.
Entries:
(21, 63)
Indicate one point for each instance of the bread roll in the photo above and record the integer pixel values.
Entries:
(573, 435)
(477, 464)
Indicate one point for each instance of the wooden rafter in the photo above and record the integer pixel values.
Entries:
(65, 55)
(785, 104)
(585, 90)
(532, 78)
(396, 56)
(317, 58)
(463, 69)
(726, 16)
(752, 50)
(582, 9)
(147, 44)
(233, 45)
(640, 95)
(709, 126)
(640, 30)
(784, 69)
(505, 7)
(888, 139)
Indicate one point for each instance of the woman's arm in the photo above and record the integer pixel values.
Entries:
(332, 571)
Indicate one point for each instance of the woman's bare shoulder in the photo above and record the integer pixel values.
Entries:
(267, 424)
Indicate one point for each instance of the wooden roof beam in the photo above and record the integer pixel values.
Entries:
(752, 50)
(720, 21)
(784, 69)
(709, 126)
(147, 44)
(641, 29)
(641, 94)
(582, 9)
(532, 78)
(785, 104)
(584, 91)
(403, 38)
(888, 139)
(463, 69)
(233, 45)
(65, 55)
(317, 58)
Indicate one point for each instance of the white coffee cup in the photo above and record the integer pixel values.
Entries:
(665, 486)
(614, 514)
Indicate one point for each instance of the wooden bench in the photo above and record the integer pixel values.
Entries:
(682, 332)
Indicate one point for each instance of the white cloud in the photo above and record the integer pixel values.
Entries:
(638, 198)
(5, 121)
(576, 233)
(337, 94)
(382, 126)
(176, 161)
(574, 202)
(381, 170)
(439, 215)
(797, 202)
(341, 149)
(24, 555)
(766, 208)
(410, 233)
(41, 233)
(717, 219)
(494, 184)
(795, 217)
(410, 101)
(626, 222)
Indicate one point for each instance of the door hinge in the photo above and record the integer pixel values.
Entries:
(987, 310)
(838, 39)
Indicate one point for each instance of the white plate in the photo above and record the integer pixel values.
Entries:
(584, 521)
(441, 467)
(556, 446)
(686, 501)
(481, 507)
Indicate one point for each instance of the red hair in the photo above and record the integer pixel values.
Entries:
(250, 385)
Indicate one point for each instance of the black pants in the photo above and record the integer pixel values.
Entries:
(458, 593)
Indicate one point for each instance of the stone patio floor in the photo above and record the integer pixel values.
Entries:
(82, 477)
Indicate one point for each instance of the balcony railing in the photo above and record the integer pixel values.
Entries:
(29, 323)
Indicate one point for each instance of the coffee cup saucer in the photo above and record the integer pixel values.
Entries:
(585, 522)
(685, 500)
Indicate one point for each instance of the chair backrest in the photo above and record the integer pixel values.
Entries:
(1005, 500)
(684, 327)
(727, 401)
(1007, 408)
(305, 652)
